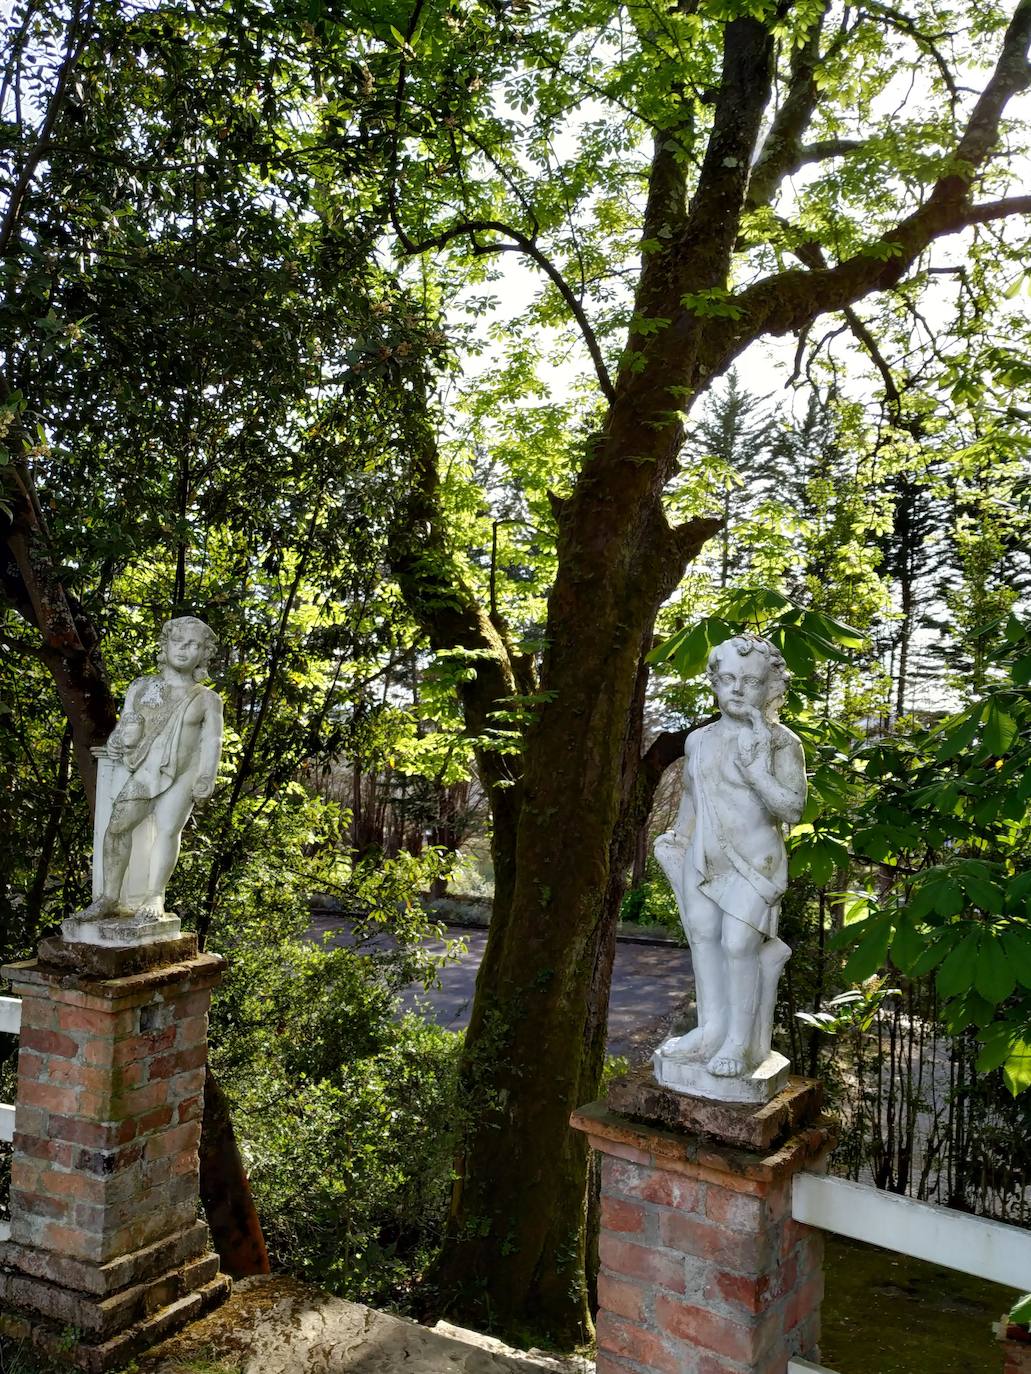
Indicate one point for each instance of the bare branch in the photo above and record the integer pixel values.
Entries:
(925, 41)
(779, 155)
(521, 243)
(788, 301)
(75, 45)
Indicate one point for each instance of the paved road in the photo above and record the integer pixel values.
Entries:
(650, 984)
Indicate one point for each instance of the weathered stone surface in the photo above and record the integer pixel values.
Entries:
(744, 783)
(278, 1326)
(160, 759)
(114, 1354)
(100, 1318)
(34, 978)
(694, 1154)
(753, 1087)
(637, 1095)
(115, 961)
(104, 1279)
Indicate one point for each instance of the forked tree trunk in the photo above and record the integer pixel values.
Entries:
(516, 1234)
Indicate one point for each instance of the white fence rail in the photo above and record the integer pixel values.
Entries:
(10, 1024)
(973, 1245)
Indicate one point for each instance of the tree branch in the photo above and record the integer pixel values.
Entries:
(781, 149)
(666, 749)
(789, 301)
(75, 45)
(715, 210)
(521, 243)
(904, 24)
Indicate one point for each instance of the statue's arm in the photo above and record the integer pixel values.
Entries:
(683, 826)
(118, 740)
(778, 776)
(210, 748)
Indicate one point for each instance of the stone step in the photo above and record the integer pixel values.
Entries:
(276, 1325)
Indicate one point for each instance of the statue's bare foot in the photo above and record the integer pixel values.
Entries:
(699, 1043)
(152, 909)
(99, 909)
(730, 1061)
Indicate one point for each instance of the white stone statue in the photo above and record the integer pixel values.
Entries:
(160, 759)
(744, 782)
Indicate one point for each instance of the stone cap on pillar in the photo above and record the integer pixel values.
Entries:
(34, 977)
(611, 1133)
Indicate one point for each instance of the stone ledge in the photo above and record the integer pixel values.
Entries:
(31, 978)
(695, 1154)
(277, 1325)
(101, 1280)
(638, 1096)
(102, 1357)
(102, 1318)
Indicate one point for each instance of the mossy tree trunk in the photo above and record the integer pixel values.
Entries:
(514, 1253)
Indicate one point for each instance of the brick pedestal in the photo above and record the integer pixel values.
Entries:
(106, 1253)
(703, 1270)
(1016, 1348)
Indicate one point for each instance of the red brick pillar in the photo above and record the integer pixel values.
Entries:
(105, 1238)
(1016, 1348)
(703, 1270)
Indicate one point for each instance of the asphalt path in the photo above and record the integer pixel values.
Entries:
(651, 986)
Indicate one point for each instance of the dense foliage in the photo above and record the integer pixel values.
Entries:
(249, 255)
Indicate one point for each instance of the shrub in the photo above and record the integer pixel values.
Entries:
(652, 902)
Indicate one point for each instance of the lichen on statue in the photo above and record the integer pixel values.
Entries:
(744, 782)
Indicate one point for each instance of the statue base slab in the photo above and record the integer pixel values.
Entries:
(115, 961)
(744, 1125)
(691, 1077)
(122, 932)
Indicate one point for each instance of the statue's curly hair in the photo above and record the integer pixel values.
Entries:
(189, 622)
(773, 661)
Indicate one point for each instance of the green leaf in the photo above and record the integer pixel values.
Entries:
(970, 1010)
(956, 974)
(982, 892)
(994, 977)
(1016, 941)
(1020, 1312)
(908, 943)
(1018, 893)
(1017, 1069)
(688, 650)
(935, 950)
(820, 856)
(959, 732)
(996, 1042)
(999, 730)
(871, 953)
(940, 893)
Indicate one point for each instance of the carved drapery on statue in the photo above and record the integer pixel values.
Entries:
(159, 762)
(744, 782)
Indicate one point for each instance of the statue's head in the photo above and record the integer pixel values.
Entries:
(748, 671)
(188, 645)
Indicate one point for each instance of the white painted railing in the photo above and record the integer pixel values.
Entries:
(973, 1245)
(10, 1024)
